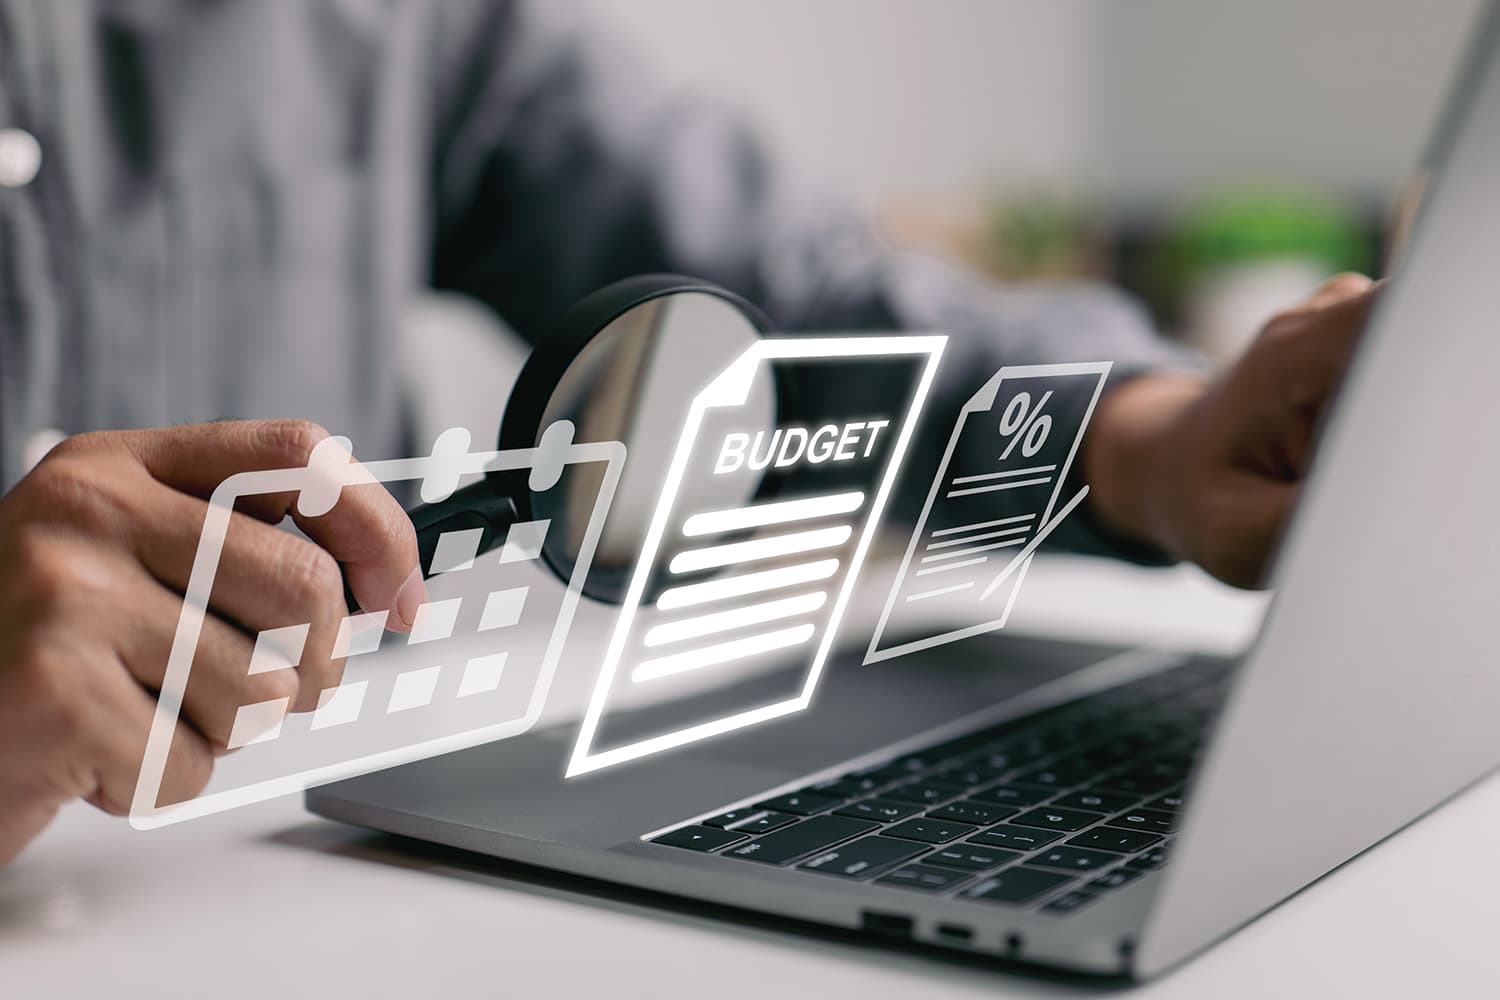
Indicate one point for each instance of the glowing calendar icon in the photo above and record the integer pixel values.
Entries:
(475, 667)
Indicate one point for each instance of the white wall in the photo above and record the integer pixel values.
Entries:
(1339, 92)
(890, 96)
(1135, 97)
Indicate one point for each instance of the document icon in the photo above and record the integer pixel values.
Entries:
(720, 589)
(993, 501)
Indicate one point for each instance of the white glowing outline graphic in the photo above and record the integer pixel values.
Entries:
(731, 388)
(982, 402)
(322, 479)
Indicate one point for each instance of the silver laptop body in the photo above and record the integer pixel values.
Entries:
(1374, 669)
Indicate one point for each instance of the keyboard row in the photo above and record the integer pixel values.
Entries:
(957, 817)
(1015, 862)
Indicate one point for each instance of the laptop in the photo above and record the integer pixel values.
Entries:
(1108, 811)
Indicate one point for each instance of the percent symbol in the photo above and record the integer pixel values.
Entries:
(1025, 424)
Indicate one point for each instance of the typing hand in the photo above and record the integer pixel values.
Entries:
(97, 544)
(1210, 470)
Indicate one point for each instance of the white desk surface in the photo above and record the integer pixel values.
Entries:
(267, 901)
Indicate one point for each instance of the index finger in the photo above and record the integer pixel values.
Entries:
(366, 531)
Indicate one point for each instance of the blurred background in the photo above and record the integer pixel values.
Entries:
(1217, 159)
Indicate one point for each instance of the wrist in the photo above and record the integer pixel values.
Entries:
(1127, 456)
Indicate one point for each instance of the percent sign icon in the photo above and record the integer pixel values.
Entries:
(1025, 424)
(1028, 426)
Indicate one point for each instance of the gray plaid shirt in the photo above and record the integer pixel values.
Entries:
(237, 198)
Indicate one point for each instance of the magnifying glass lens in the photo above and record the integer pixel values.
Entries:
(634, 382)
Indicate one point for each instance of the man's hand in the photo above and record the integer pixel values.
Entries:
(1210, 470)
(97, 544)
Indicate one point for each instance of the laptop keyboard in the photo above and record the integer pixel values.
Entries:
(1049, 812)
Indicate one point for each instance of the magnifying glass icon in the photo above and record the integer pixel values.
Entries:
(622, 365)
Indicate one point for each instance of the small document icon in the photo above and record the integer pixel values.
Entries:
(994, 500)
(720, 589)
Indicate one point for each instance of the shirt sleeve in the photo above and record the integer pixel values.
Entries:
(562, 163)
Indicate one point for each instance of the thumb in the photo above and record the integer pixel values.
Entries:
(1345, 285)
(1245, 530)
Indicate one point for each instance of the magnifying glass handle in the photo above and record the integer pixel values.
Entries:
(477, 505)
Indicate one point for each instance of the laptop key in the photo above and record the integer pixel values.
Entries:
(1108, 838)
(798, 803)
(990, 759)
(1112, 753)
(796, 842)
(1098, 801)
(1160, 774)
(880, 810)
(1152, 820)
(970, 775)
(969, 858)
(956, 748)
(1114, 879)
(732, 817)
(1015, 886)
(861, 858)
(906, 767)
(1170, 763)
(1154, 858)
(1153, 730)
(927, 793)
(1069, 902)
(765, 823)
(1066, 820)
(1065, 774)
(969, 811)
(931, 831)
(926, 878)
(1140, 784)
(849, 787)
(699, 838)
(1170, 802)
(1018, 838)
(1073, 859)
(1016, 795)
